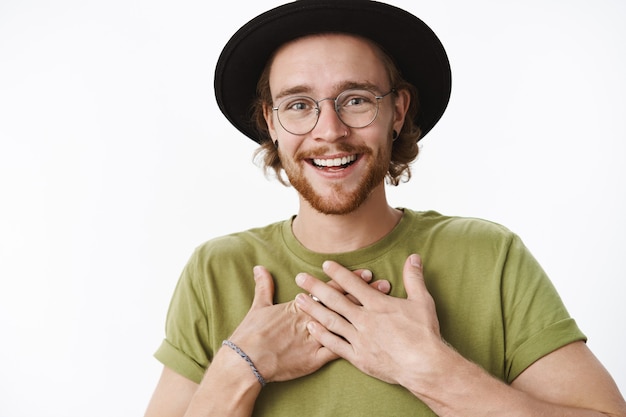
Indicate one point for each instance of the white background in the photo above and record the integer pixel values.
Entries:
(115, 163)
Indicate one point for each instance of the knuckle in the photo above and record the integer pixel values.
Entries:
(330, 321)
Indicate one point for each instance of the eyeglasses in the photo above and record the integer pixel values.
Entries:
(356, 108)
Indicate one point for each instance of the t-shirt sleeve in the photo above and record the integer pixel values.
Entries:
(536, 320)
(185, 348)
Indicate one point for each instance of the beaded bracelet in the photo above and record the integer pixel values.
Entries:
(247, 359)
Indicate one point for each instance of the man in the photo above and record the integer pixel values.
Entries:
(353, 307)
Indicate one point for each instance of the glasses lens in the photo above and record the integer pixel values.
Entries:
(298, 115)
(357, 108)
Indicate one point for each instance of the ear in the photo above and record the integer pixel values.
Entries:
(268, 115)
(401, 107)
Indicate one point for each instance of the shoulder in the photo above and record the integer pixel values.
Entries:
(458, 228)
(241, 242)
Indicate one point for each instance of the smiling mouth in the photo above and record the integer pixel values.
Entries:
(334, 163)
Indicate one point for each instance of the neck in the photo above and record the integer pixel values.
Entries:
(325, 233)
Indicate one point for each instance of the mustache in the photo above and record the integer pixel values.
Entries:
(326, 150)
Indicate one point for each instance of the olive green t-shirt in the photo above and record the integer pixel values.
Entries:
(494, 302)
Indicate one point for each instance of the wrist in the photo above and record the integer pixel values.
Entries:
(227, 389)
(247, 359)
(426, 376)
(232, 374)
(451, 384)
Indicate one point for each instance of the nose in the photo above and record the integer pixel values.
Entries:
(329, 126)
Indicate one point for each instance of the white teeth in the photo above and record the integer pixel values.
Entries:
(336, 162)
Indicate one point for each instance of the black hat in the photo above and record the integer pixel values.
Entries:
(413, 46)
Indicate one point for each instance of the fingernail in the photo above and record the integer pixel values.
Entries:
(415, 261)
(256, 271)
(384, 286)
(300, 278)
(367, 275)
(300, 299)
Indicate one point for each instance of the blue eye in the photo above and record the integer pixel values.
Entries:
(298, 104)
(357, 98)
(355, 101)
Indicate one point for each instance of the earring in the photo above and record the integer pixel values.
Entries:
(394, 135)
(276, 143)
(345, 133)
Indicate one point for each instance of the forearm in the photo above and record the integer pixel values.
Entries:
(228, 388)
(458, 387)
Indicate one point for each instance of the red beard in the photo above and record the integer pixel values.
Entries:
(340, 201)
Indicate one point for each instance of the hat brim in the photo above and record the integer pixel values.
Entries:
(414, 47)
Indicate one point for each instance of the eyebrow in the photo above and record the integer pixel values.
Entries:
(346, 85)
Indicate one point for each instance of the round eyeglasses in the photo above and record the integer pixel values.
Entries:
(356, 108)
